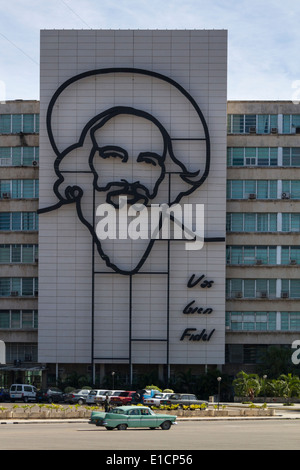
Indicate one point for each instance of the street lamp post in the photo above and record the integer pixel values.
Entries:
(113, 380)
(219, 387)
(264, 377)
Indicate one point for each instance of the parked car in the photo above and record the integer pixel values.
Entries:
(94, 395)
(4, 394)
(22, 392)
(77, 396)
(182, 399)
(111, 393)
(156, 399)
(124, 417)
(123, 398)
(50, 395)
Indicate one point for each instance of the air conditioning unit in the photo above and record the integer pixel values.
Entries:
(252, 196)
(274, 130)
(252, 130)
(293, 261)
(285, 196)
(14, 293)
(258, 262)
(284, 295)
(263, 295)
(6, 195)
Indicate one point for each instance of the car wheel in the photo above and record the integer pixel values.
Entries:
(80, 401)
(122, 427)
(165, 425)
(25, 399)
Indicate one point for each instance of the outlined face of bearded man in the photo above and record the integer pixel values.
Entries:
(127, 158)
(124, 151)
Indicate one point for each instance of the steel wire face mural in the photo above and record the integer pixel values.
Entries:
(100, 136)
(138, 135)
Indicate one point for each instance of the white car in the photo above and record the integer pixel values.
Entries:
(93, 395)
(155, 400)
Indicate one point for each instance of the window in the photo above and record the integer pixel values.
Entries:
(244, 353)
(250, 288)
(290, 222)
(246, 123)
(291, 123)
(18, 221)
(251, 255)
(251, 222)
(290, 321)
(291, 156)
(292, 187)
(260, 189)
(19, 156)
(290, 255)
(18, 287)
(251, 321)
(23, 352)
(252, 156)
(16, 123)
(290, 288)
(19, 189)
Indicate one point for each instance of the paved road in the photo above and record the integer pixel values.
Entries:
(269, 434)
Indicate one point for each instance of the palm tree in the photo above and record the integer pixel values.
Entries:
(247, 385)
(289, 386)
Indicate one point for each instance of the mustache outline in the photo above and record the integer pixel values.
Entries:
(136, 192)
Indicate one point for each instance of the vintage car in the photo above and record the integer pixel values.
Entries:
(131, 416)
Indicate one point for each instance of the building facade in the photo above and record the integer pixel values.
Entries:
(19, 191)
(263, 283)
(71, 303)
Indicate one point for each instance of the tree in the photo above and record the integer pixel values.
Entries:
(247, 385)
(289, 386)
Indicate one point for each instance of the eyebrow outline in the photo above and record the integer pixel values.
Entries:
(115, 152)
(147, 158)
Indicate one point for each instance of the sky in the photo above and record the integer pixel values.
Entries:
(263, 38)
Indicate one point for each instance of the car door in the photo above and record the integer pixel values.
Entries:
(134, 418)
(148, 420)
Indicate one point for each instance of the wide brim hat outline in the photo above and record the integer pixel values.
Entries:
(95, 91)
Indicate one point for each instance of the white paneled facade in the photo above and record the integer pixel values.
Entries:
(131, 310)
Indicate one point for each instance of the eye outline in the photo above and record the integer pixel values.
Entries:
(151, 158)
(114, 152)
